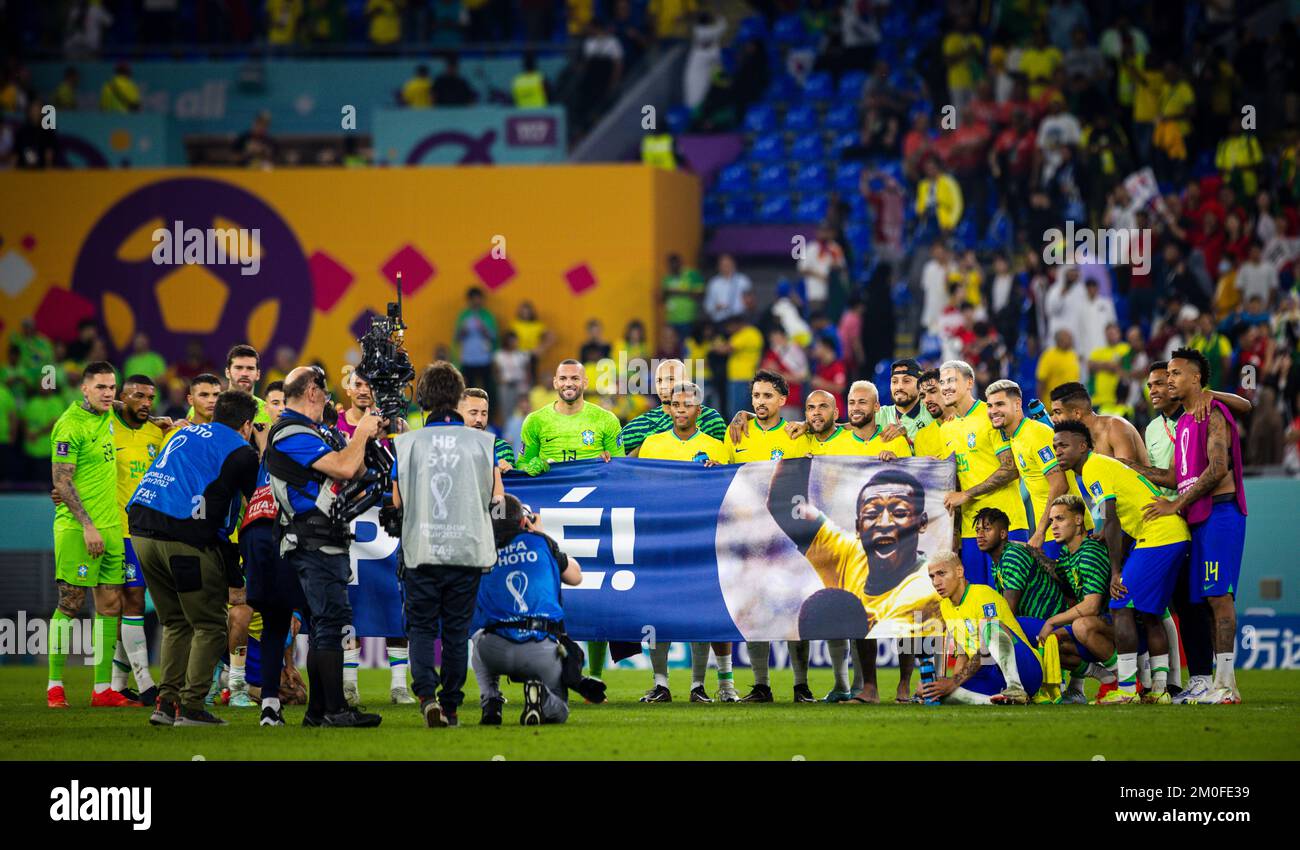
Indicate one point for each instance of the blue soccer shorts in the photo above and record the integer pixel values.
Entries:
(1217, 545)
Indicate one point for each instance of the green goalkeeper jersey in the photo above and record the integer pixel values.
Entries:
(555, 437)
(85, 439)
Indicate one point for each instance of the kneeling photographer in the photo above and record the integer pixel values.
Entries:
(522, 619)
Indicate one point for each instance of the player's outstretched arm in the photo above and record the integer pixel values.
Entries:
(787, 502)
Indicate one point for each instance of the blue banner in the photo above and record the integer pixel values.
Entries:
(1266, 642)
(373, 589)
(469, 135)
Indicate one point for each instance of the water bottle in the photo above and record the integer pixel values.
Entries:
(925, 664)
(1035, 410)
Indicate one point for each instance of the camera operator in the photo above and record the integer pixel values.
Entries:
(445, 479)
(519, 607)
(307, 465)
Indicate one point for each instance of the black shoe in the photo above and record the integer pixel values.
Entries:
(759, 693)
(133, 695)
(698, 694)
(658, 693)
(492, 712)
(198, 717)
(432, 712)
(313, 720)
(271, 717)
(164, 713)
(532, 713)
(450, 717)
(149, 696)
(350, 718)
(802, 693)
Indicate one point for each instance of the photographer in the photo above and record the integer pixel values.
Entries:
(519, 608)
(448, 480)
(181, 517)
(307, 464)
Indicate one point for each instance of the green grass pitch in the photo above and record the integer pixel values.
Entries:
(1264, 727)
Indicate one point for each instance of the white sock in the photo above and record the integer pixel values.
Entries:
(137, 650)
(120, 667)
(351, 661)
(1175, 658)
(1100, 672)
(758, 659)
(399, 661)
(1144, 669)
(1127, 672)
(1003, 649)
(237, 659)
(53, 683)
(272, 703)
(725, 677)
(659, 662)
(100, 687)
(961, 696)
(1225, 675)
(699, 663)
(1159, 672)
(1076, 683)
(839, 652)
(799, 651)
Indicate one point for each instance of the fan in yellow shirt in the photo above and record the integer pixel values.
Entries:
(417, 92)
(686, 442)
(986, 471)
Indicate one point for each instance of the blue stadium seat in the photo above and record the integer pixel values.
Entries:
(767, 149)
(850, 87)
(713, 213)
(679, 120)
(801, 119)
(772, 179)
(842, 117)
(760, 119)
(776, 210)
(843, 141)
(789, 31)
(783, 89)
(819, 87)
(811, 209)
(806, 148)
(812, 178)
(847, 177)
(738, 209)
(966, 235)
(880, 377)
(753, 28)
(734, 178)
(858, 236)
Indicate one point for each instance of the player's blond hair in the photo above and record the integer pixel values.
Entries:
(1071, 503)
(1006, 385)
(865, 385)
(945, 556)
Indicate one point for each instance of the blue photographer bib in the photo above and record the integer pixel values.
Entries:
(524, 584)
(175, 482)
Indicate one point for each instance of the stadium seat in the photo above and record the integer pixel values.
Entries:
(760, 119)
(776, 210)
(738, 209)
(858, 236)
(844, 141)
(880, 377)
(767, 149)
(801, 119)
(812, 178)
(772, 179)
(734, 178)
(850, 87)
(714, 212)
(753, 28)
(807, 148)
(842, 117)
(679, 120)
(819, 87)
(811, 209)
(847, 178)
(789, 31)
(783, 89)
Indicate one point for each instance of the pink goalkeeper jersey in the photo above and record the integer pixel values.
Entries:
(1191, 457)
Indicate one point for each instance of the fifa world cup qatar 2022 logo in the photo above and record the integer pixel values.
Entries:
(140, 285)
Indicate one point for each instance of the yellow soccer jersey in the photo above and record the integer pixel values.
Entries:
(666, 445)
(978, 445)
(757, 444)
(1106, 478)
(929, 442)
(980, 606)
(874, 446)
(1031, 446)
(841, 442)
(840, 562)
(136, 448)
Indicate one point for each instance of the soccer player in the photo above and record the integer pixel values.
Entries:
(907, 414)
(1084, 629)
(396, 648)
(979, 620)
(669, 374)
(986, 469)
(928, 440)
(88, 544)
(1031, 447)
(1113, 436)
(765, 438)
(1207, 472)
(687, 442)
(137, 441)
(243, 371)
(474, 408)
(202, 399)
(1033, 595)
(275, 400)
(571, 428)
(1142, 581)
(878, 562)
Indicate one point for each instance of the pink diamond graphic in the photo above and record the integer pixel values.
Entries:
(330, 280)
(494, 271)
(580, 278)
(415, 268)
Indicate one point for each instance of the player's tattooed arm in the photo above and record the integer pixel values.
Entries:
(1154, 474)
(1003, 475)
(1217, 450)
(967, 670)
(787, 502)
(67, 491)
